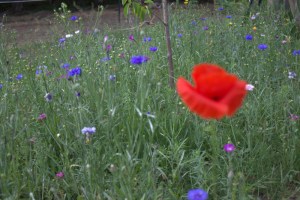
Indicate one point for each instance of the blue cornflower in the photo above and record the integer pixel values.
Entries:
(48, 97)
(197, 194)
(88, 130)
(262, 47)
(19, 77)
(62, 40)
(112, 77)
(74, 18)
(1, 86)
(147, 39)
(65, 65)
(292, 75)
(77, 94)
(75, 72)
(179, 35)
(228, 16)
(296, 52)
(105, 59)
(248, 37)
(38, 71)
(194, 23)
(137, 60)
(153, 49)
(220, 9)
(203, 18)
(205, 28)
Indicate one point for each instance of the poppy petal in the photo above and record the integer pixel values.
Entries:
(204, 69)
(215, 86)
(201, 105)
(234, 98)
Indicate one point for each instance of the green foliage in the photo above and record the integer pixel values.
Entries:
(139, 9)
(164, 153)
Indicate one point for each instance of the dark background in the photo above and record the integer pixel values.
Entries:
(20, 8)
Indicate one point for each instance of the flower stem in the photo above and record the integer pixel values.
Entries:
(214, 143)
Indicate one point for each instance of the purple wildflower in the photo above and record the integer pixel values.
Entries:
(60, 175)
(205, 28)
(131, 37)
(179, 35)
(1, 86)
(197, 194)
(294, 117)
(108, 47)
(42, 117)
(228, 16)
(220, 9)
(229, 147)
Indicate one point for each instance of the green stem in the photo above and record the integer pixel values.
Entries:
(214, 143)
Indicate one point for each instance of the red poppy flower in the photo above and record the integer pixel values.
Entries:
(215, 94)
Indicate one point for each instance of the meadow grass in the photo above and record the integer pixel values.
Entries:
(147, 144)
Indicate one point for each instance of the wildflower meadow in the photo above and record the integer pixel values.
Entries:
(89, 113)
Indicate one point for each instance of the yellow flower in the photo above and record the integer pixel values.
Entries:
(186, 2)
(254, 28)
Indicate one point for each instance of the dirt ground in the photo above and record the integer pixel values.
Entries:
(36, 22)
(33, 25)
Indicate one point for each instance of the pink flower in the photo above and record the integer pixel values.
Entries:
(60, 175)
(131, 37)
(105, 38)
(108, 47)
(42, 117)
(229, 147)
(249, 87)
(294, 117)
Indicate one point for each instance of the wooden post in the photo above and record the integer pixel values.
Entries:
(295, 12)
(168, 40)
